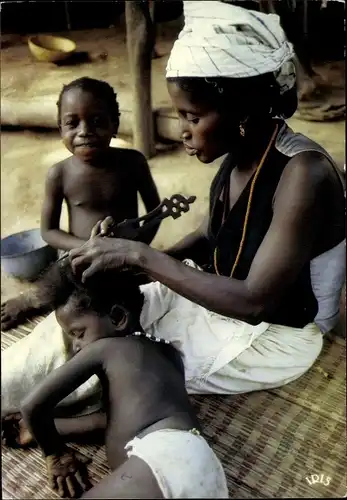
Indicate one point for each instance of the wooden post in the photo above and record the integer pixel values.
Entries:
(140, 42)
(266, 6)
(151, 6)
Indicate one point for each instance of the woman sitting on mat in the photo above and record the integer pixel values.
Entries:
(254, 318)
(273, 245)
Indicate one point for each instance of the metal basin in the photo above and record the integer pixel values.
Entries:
(25, 255)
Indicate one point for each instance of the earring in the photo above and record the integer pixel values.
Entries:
(242, 127)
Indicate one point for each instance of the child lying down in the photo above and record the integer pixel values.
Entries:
(153, 441)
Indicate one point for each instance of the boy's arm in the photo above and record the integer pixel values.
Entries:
(51, 211)
(149, 194)
(37, 408)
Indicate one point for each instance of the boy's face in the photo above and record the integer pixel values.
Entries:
(83, 327)
(85, 124)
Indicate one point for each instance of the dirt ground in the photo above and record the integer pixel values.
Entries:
(29, 88)
(23, 77)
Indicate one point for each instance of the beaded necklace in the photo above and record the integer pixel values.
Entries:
(261, 163)
(148, 336)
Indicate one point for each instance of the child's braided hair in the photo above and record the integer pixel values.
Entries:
(100, 293)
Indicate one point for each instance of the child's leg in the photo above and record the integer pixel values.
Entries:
(87, 428)
(84, 428)
(133, 479)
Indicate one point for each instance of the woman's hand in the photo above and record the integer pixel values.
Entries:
(67, 473)
(99, 254)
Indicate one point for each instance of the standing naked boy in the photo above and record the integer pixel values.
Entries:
(96, 181)
(153, 443)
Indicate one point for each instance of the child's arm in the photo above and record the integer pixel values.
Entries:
(66, 468)
(51, 211)
(149, 194)
(37, 408)
(82, 429)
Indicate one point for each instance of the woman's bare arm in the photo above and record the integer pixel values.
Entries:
(287, 246)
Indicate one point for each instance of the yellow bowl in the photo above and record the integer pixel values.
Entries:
(51, 48)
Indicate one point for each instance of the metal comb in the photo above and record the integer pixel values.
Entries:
(132, 229)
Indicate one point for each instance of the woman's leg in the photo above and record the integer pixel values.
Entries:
(158, 301)
(279, 356)
(227, 356)
(133, 479)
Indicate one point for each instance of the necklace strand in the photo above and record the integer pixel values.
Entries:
(244, 230)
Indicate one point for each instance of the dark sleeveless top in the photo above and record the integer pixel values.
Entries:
(298, 306)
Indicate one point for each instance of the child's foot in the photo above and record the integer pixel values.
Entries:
(13, 312)
(14, 433)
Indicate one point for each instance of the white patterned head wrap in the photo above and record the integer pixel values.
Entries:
(222, 40)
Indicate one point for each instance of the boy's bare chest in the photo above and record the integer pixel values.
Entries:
(98, 189)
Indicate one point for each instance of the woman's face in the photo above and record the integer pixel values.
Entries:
(206, 132)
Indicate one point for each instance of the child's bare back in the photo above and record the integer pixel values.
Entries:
(152, 436)
(146, 392)
(143, 388)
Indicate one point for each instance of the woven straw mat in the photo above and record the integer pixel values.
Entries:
(270, 442)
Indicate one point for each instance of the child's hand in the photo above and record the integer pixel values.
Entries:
(67, 473)
(103, 227)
